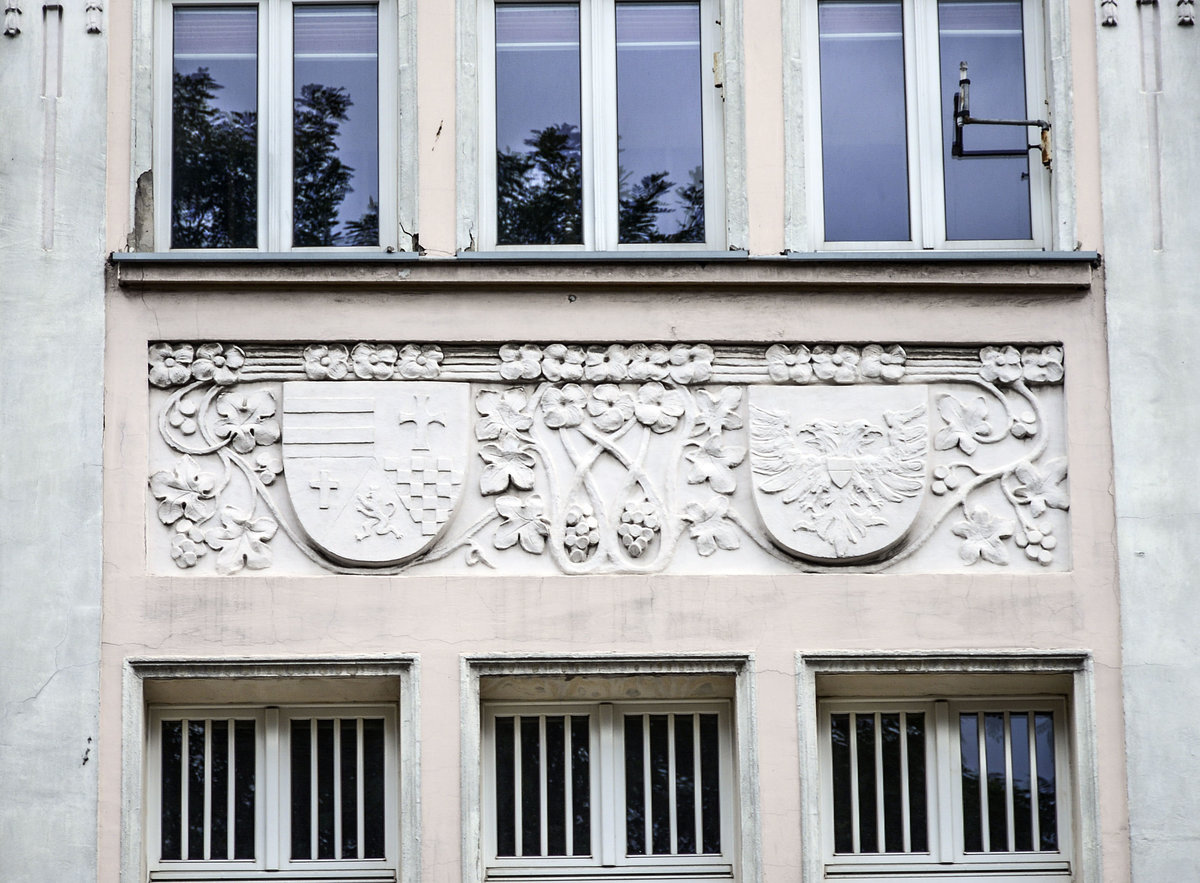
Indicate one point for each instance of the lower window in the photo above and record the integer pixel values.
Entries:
(303, 789)
(960, 786)
(582, 789)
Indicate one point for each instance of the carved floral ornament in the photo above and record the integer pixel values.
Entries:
(376, 457)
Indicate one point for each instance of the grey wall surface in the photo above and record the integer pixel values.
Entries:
(1148, 67)
(51, 341)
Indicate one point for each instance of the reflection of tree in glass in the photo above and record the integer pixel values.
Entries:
(365, 230)
(214, 197)
(322, 180)
(539, 196)
(539, 192)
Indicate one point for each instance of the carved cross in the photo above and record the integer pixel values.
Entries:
(422, 418)
(323, 484)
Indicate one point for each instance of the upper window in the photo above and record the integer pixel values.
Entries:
(956, 786)
(304, 789)
(279, 130)
(884, 170)
(608, 788)
(601, 124)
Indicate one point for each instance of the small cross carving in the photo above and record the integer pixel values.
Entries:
(324, 483)
(422, 418)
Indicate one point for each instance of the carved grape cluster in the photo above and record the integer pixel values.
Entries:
(582, 534)
(1038, 542)
(639, 524)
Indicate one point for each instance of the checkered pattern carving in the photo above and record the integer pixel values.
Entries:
(426, 487)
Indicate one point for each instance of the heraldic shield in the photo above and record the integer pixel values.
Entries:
(374, 470)
(839, 472)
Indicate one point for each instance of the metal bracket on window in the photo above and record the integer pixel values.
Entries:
(962, 117)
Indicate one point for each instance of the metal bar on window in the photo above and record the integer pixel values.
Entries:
(518, 787)
(337, 788)
(1034, 790)
(568, 787)
(1009, 794)
(208, 789)
(880, 821)
(697, 784)
(672, 784)
(944, 745)
(984, 772)
(605, 766)
(184, 789)
(647, 786)
(853, 740)
(543, 821)
(905, 810)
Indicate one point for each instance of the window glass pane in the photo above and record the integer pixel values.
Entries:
(349, 774)
(214, 142)
(685, 784)
(556, 788)
(917, 803)
(335, 135)
(993, 732)
(581, 785)
(986, 197)
(864, 140)
(1047, 797)
(170, 816)
(660, 786)
(1022, 819)
(195, 751)
(539, 195)
(893, 797)
(531, 773)
(971, 804)
(506, 839)
(244, 788)
(660, 142)
(635, 791)
(843, 809)
(710, 784)
(219, 818)
(374, 817)
(301, 764)
(325, 804)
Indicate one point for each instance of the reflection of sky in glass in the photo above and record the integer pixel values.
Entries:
(223, 39)
(986, 197)
(337, 47)
(863, 136)
(537, 71)
(659, 123)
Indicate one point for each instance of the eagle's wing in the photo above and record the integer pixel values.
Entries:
(782, 463)
(898, 471)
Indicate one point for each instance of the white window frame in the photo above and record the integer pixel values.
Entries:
(662, 677)
(723, 129)
(1047, 79)
(607, 791)
(349, 686)
(275, 106)
(991, 679)
(943, 776)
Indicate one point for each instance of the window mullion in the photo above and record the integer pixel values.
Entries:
(230, 790)
(905, 809)
(1009, 794)
(854, 807)
(360, 788)
(599, 40)
(184, 788)
(880, 820)
(543, 782)
(1034, 790)
(568, 787)
(279, 111)
(948, 770)
(610, 812)
(208, 788)
(985, 810)
(268, 825)
(337, 788)
(924, 127)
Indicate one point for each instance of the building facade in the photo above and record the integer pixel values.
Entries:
(605, 440)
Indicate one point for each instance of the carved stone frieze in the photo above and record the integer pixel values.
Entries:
(377, 457)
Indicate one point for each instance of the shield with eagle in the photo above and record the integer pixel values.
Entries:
(839, 473)
(374, 470)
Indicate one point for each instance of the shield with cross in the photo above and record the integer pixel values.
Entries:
(374, 470)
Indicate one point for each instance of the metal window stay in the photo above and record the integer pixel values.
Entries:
(962, 117)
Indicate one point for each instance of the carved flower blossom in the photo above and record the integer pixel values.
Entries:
(184, 492)
(523, 523)
(1041, 487)
(241, 541)
(839, 365)
(217, 363)
(606, 363)
(419, 362)
(982, 535)
(520, 363)
(966, 425)
(170, 365)
(691, 364)
(323, 362)
(246, 420)
(714, 462)
(501, 413)
(648, 362)
(658, 407)
(882, 363)
(561, 362)
(710, 529)
(374, 362)
(563, 407)
(717, 412)
(785, 364)
(1042, 364)
(610, 407)
(508, 462)
(1000, 363)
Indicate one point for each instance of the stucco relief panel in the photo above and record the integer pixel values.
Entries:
(374, 457)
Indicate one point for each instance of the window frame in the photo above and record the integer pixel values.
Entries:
(275, 124)
(998, 675)
(943, 775)
(258, 683)
(1047, 95)
(723, 131)
(607, 783)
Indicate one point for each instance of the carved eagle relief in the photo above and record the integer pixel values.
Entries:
(840, 477)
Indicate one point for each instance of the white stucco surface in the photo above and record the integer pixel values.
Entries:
(1147, 67)
(51, 335)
